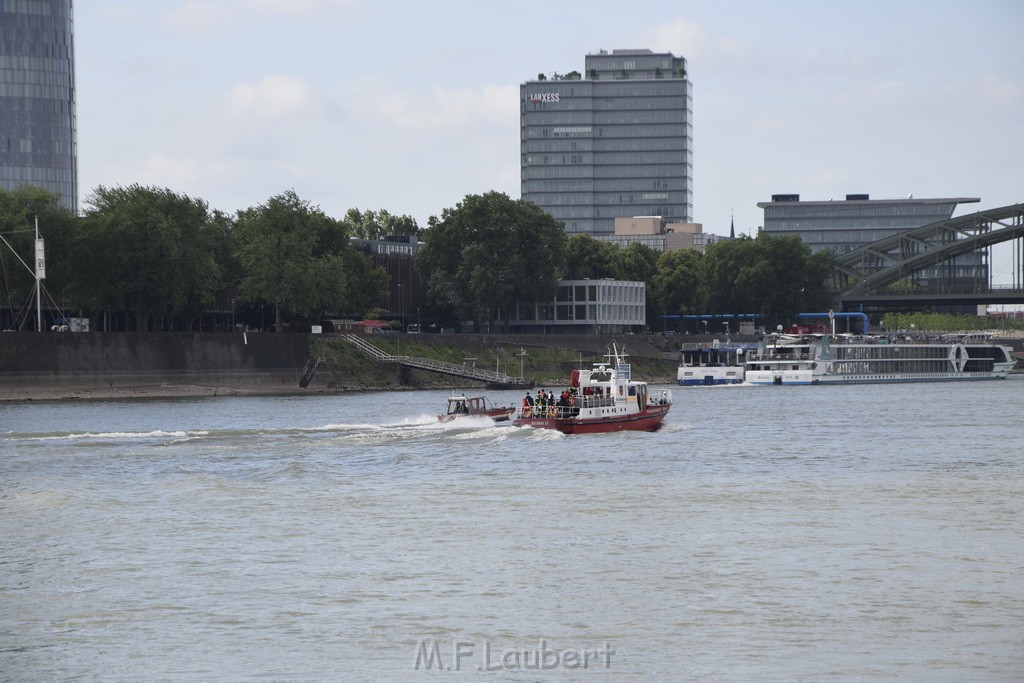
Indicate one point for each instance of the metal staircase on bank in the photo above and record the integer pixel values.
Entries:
(491, 378)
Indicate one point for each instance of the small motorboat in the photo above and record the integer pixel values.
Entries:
(474, 406)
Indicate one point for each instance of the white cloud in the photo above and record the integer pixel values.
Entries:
(295, 6)
(274, 97)
(162, 170)
(997, 91)
(195, 16)
(441, 108)
(199, 17)
(689, 39)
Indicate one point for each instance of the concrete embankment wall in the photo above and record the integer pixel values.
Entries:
(51, 361)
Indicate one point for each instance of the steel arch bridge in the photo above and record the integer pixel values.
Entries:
(864, 275)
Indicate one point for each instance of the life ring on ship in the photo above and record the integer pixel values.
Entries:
(526, 411)
(552, 411)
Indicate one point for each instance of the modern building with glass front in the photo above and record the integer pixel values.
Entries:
(37, 98)
(585, 307)
(845, 225)
(615, 141)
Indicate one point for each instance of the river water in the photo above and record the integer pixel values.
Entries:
(764, 533)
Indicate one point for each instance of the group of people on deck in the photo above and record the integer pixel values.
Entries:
(546, 405)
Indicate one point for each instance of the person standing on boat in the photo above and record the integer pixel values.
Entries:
(527, 408)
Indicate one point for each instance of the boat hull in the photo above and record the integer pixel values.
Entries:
(793, 378)
(647, 420)
(780, 377)
(693, 376)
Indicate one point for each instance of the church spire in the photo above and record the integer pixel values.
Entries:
(732, 226)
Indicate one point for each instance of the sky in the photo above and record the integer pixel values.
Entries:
(411, 106)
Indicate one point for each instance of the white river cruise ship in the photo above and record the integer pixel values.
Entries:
(849, 359)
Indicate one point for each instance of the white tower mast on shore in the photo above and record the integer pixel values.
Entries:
(40, 276)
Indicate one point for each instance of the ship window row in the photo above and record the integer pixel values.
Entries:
(886, 352)
(889, 366)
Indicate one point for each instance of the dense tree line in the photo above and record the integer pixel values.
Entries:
(160, 260)
(490, 253)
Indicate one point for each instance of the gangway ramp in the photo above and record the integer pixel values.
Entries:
(489, 377)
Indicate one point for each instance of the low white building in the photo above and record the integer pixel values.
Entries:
(585, 307)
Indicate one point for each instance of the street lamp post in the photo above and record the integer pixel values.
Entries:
(399, 319)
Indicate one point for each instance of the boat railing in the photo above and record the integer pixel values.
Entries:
(596, 401)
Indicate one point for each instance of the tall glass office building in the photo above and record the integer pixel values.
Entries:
(37, 97)
(614, 141)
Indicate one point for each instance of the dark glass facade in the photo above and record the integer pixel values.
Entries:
(614, 141)
(37, 97)
(845, 225)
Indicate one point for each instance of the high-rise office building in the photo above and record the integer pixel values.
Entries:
(37, 97)
(615, 141)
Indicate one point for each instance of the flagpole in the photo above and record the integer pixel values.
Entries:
(40, 274)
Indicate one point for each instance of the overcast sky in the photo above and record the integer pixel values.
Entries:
(410, 106)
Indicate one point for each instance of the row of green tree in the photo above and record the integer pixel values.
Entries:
(490, 253)
(161, 259)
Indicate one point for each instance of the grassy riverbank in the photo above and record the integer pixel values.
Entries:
(543, 359)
